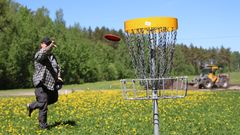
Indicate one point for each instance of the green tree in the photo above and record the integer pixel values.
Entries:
(235, 61)
(180, 65)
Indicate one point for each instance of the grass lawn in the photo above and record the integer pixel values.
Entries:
(105, 112)
(235, 77)
(91, 112)
(104, 85)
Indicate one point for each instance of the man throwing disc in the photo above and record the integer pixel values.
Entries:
(46, 80)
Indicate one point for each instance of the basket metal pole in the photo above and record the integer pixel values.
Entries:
(155, 113)
(154, 88)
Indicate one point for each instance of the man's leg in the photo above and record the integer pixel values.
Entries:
(40, 99)
(41, 104)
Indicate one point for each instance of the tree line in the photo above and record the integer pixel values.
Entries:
(83, 53)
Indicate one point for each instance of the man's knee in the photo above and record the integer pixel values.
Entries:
(42, 105)
(41, 95)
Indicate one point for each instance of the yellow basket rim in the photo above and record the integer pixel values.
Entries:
(166, 23)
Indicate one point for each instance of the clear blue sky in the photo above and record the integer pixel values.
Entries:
(205, 23)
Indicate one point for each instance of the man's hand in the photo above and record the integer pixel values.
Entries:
(50, 47)
(60, 79)
(53, 44)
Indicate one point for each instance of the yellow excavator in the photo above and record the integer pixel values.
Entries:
(211, 77)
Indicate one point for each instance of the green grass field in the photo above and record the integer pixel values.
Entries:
(105, 112)
(104, 85)
(235, 78)
(98, 108)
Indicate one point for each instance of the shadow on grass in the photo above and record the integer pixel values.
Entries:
(68, 122)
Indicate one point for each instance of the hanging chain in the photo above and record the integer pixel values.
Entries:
(152, 51)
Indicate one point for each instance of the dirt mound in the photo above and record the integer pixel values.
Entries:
(234, 87)
(231, 87)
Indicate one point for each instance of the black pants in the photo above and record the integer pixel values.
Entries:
(44, 97)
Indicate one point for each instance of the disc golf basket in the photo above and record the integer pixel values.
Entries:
(151, 44)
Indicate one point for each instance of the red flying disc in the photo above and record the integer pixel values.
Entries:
(112, 37)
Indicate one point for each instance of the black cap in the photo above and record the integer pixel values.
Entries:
(46, 40)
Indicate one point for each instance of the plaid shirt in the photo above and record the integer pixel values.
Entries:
(46, 69)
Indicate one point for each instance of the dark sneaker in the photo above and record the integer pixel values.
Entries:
(29, 110)
(43, 125)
